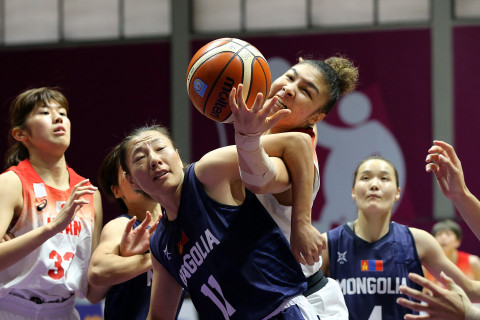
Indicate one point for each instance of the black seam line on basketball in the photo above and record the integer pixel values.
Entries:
(216, 80)
(193, 74)
(223, 70)
(267, 87)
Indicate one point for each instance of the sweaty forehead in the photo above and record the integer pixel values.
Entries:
(147, 138)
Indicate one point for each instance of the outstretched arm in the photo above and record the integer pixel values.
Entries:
(442, 160)
(450, 303)
(257, 170)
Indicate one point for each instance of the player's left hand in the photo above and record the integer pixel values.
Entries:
(137, 241)
(256, 120)
(307, 243)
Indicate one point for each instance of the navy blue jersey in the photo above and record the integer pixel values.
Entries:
(234, 260)
(370, 273)
(130, 300)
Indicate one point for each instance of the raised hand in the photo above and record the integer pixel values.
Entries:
(444, 163)
(74, 203)
(137, 241)
(256, 120)
(438, 303)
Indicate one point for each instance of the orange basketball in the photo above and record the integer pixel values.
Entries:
(221, 65)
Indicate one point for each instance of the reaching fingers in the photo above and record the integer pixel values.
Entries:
(280, 114)
(152, 229)
(146, 221)
(411, 304)
(130, 224)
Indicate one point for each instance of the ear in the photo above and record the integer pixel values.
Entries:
(300, 60)
(115, 190)
(19, 134)
(397, 196)
(353, 194)
(458, 242)
(133, 184)
(315, 118)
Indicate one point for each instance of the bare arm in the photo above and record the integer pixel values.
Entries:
(107, 266)
(442, 160)
(435, 260)
(306, 241)
(165, 296)
(475, 264)
(11, 201)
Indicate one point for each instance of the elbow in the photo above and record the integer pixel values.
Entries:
(94, 299)
(95, 277)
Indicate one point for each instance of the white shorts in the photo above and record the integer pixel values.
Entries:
(329, 302)
(297, 308)
(17, 308)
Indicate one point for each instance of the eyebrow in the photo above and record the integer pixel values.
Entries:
(370, 171)
(138, 147)
(309, 83)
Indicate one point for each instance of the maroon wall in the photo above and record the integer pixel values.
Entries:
(110, 88)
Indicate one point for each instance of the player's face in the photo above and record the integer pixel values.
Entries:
(302, 90)
(48, 128)
(155, 165)
(125, 191)
(447, 240)
(375, 188)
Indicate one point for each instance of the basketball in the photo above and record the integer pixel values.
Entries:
(221, 65)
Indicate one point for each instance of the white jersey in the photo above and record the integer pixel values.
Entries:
(58, 268)
(283, 217)
(328, 301)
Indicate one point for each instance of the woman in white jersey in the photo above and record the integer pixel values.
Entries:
(309, 89)
(51, 215)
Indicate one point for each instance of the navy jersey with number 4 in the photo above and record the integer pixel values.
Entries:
(234, 260)
(370, 273)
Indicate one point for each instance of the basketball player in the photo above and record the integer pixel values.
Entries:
(52, 215)
(450, 303)
(449, 235)
(215, 239)
(124, 267)
(310, 89)
(372, 256)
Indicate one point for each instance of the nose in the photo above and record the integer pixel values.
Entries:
(57, 117)
(155, 161)
(289, 91)
(374, 184)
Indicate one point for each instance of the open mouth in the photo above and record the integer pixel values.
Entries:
(160, 174)
(59, 130)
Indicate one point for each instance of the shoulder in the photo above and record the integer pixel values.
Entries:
(217, 167)
(115, 227)
(421, 237)
(474, 261)
(10, 183)
(427, 247)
